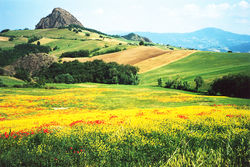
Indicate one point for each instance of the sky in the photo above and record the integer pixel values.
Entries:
(112, 16)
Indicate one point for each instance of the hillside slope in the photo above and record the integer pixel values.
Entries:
(209, 65)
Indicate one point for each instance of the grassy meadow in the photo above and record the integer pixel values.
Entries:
(117, 125)
(209, 65)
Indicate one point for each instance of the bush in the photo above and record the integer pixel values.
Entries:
(38, 43)
(64, 78)
(33, 39)
(11, 39)
(5, 30)
(87, 34)
(23, 74)
(237, 85)
(80, 53)
(177, 84)
(55, 48)
(160, 82)
(111, 50)
(141, 43)
(31, 48)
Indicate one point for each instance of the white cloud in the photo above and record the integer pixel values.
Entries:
(222, 6)
(244, 4)
(99, 11)
(242, 21)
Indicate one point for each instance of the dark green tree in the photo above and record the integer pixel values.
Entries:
(199, 82)
(38, 43)
(160, 81)
(141, 43)
(22, 74)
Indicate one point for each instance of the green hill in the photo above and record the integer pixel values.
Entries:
(209, 65)
(65, 40)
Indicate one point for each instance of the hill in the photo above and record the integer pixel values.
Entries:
(209, 65)
(58, 18)
(146, 58)
(135, 37)
(208, 39)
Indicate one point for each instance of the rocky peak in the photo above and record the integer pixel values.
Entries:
(58, 18)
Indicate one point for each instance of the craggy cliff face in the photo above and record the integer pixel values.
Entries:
(58, 18)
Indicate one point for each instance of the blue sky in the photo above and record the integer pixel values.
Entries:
(134, 15)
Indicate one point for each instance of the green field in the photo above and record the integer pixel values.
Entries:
(209, 65)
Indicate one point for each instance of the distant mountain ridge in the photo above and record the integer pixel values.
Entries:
(136, 37)
(58, 18)
(208, 39)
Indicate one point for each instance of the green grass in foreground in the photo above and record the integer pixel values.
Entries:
(128, 96)
(10, 81)
(174, 142)
(209, 65)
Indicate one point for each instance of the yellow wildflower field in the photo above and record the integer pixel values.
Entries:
(91, 125)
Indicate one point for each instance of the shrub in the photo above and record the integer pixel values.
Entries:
(160, 82)
(64, 78)
(38, 43)
(177, 84)
(141, 43)
(55, 48)
(22, 74)
(5, 30)
(87, 34)
(33, 39)
(237, 85)
(11, 39)
(80, 53)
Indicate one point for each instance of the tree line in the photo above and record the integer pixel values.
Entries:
(233, 85)
(96, 71)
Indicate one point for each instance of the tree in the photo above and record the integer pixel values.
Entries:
(64, 78)
(5, 30)
(22, 74)
(160, 82)
(11, 39)
(237, 85)
(38, 43)
(199, 82)
(141, 43)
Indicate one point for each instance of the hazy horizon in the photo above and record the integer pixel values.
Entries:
(159, 16)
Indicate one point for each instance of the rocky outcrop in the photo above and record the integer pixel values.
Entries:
(58, 18)
(135, 37)
(31, 63)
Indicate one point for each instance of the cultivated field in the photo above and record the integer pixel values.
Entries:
(110, 125)
(146, 58)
